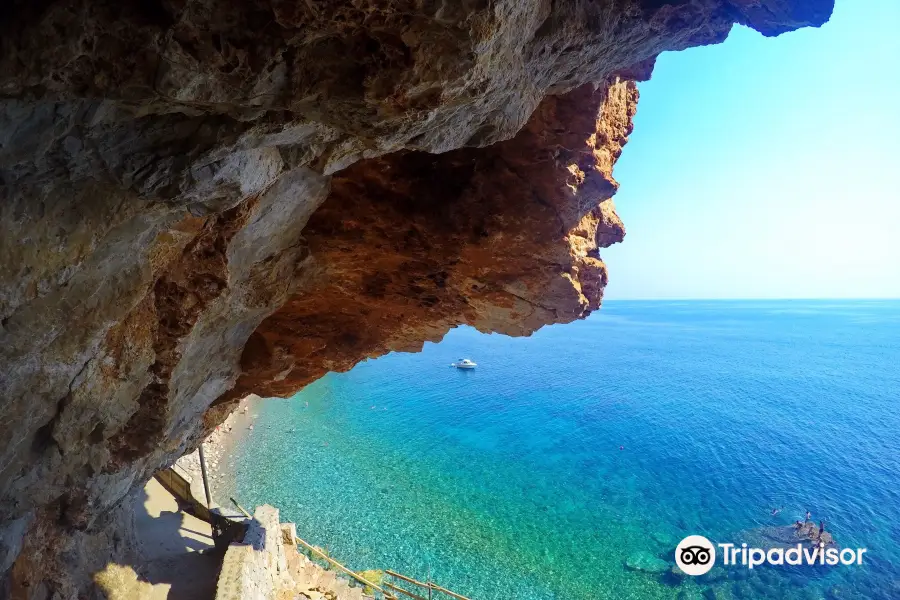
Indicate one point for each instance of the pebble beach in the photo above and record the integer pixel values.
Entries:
(219, 448)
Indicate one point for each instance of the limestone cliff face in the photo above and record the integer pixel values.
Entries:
(407, 245)
(204, 199)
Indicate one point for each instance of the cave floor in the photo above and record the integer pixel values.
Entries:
(172, 544)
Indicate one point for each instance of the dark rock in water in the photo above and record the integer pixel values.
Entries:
(674, 576)
(646, 562)
(664, 539)
(769, 537)
(715, 574)
(810, 593)
(761, 587)
(719, 592)
(769, 577)
(692, 593)
(840, 592)
(742, 589)
(784, 537)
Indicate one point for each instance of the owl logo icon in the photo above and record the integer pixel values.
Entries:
(695, 555)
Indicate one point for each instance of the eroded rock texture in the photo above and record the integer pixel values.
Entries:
(203, 199)
(408, 245)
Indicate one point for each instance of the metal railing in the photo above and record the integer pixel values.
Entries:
(429, 587)
(359, 578)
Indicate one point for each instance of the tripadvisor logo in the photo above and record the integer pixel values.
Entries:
(696, 555)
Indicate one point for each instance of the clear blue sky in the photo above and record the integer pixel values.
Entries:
(767, 167)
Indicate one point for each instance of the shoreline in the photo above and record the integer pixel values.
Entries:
(219, 449)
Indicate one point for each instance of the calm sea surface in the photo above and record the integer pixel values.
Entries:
(508, 482)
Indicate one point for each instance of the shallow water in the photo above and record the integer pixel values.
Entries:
(508, 481)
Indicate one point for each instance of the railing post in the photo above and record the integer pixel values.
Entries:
(205, 478)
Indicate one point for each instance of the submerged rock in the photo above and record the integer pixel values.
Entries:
(742, 589)
(713, 575)
(786, 536)
(842, 592)
(643, 560)
(691, 593)
(664, 539)
(720, 592)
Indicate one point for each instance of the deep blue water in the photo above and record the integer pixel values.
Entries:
(509, 481)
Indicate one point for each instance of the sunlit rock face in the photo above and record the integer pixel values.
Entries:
(407, 245)
(200, 199)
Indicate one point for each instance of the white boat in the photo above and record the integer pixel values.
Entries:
(464, 363)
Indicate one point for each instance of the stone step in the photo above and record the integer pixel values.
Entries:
(327, 579)
(314, 582)
(340, 586)
(356, 594)
(348, 590)
(310, 575)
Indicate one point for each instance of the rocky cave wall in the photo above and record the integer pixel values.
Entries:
(204, 199)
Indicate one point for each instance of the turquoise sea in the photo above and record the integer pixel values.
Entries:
(537, 475)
